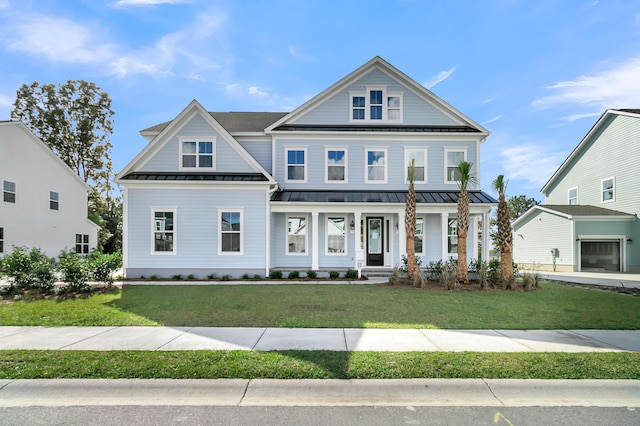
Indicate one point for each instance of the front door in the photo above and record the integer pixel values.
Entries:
(375, 234)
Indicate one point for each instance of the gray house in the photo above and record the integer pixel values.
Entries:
(319, 188)
(590, 218)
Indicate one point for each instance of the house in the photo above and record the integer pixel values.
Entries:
(44, 203)
(319, 188)
(590, 218)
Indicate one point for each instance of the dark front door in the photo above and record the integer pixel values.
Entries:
(375, 234)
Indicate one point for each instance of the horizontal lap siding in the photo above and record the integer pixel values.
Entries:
(534, 239)
(260, 150)
(197, 227)
(356, 158)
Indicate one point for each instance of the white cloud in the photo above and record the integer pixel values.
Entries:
(4, 4)
(576, 117)
(442, 76)
(255, 90)
(491, 120)
(618, 87)
(531, 163)
(297, 54)
(125, 3)
(6, 101)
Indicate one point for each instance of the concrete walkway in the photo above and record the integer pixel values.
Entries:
(333, 339)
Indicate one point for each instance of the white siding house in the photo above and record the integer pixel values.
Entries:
(43, 204)
(320, 188)
(590, 220)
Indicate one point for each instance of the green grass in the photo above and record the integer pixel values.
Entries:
(359, 306)
(316, 365)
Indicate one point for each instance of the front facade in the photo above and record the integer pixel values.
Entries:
(590, 220)
(43, 204)
(321, 188)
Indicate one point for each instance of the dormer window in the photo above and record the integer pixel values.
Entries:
(196, 154)
(376, 105)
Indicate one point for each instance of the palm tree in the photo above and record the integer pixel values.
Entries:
(410, 229)
(464, 180)
(504, 235)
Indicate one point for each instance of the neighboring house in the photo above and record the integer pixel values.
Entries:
(590, 220)
(320, 188)
(44, 203)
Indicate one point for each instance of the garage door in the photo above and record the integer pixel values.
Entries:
(600, 256)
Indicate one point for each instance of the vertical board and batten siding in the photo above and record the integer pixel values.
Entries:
(356, 163)
(197, 227)
(614, 151)
(337, 109)
(534, 238)
(167, 159)
(260, 150)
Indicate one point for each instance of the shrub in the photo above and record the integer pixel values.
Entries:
(448, 276)
(482, 269)
(257, 277)
(293, 275)
(28, 270)
(312, 275)
(103, 266)
(76, 272)
(275, 275)
(334, 274)
(191, 277)
(154, 277)
(405, 263)
(435, 270)
(176, 277)
(212, 276)
(351, 273)
(226, 277)
(245, 276)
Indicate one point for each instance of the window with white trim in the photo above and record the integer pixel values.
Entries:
(164, 231)
(608, 187)
(230, 231)
(418, 239)
(336, 235)
(54, 200)
(375, 104)
(336, 169)
(1, 240)
(453, 158)
(573, 196)
(296, 165)
(420, 165)
(9, 191)
(376, 165)
(296, 235)
(452, 236)
(196, 154)
(82, 243)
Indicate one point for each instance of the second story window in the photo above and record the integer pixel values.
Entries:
(376, 166)
(452, 159)
(336, 165)
(608, 189)
(573, 196)
(54, 200)
(420, 164)
(9, 191)
(376, 104)
(296, 170)
(196, 154)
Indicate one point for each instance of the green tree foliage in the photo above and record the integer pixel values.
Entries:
(517, 206)
(462, 218)
(504, 233)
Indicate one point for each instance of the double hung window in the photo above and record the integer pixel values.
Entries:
(296, 235)
(452, 236)
(164, 230)
(9, 192)
(296, 166)
(336, 235)
(196, 154)
(420, 164)
(82, 243)
(376, 171)
(608, 189)
(573, 196)
(376, 104)
(452, 159)
(1, 240)
(336, 165)
(54, 200)
(418, 240)
(230, 232)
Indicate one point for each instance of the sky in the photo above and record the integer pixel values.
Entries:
(537, 74)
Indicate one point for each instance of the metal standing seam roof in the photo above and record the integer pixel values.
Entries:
(422, 197)
(377, 128)
(221, 177)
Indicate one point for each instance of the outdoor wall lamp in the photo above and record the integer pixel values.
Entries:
(352, 225)
(629, 240)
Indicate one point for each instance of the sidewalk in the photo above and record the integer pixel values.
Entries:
(333, 339)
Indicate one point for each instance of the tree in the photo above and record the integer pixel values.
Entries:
(517, 206)
(464, 180)
(74, 120)
(504, 235)
(413, 271)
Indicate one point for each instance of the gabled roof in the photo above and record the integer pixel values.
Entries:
(46, 149)
(382, 65)
(578, 212)
(608, 113)
(233, 122)
(194, 108)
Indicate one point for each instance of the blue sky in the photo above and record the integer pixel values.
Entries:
(537, 74)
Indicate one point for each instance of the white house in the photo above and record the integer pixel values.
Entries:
(44, 204)
(590, 218)
(319, 188)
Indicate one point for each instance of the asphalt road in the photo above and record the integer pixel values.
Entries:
(408, 415)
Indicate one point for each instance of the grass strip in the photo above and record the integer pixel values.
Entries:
(555, 306)
(28, 364)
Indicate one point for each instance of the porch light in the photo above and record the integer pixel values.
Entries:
(629, 240)
(352, 225)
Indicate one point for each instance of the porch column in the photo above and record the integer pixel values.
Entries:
(315, 224)
(444, 219)
(402, 237)
(359, 254)
(485, 237)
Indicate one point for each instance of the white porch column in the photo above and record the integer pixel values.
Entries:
(402, 238)
(359, 254)
(315, 224)
(485, 237)
(444, 219)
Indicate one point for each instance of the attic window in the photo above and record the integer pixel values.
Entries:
(376, 105)
(196, 154)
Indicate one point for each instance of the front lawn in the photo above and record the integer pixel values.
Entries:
(555, 306)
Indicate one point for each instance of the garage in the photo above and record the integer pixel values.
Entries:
(603, 255)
